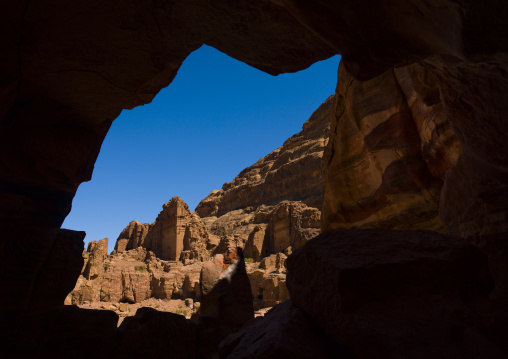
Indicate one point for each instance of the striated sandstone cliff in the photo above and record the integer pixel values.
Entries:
(387, 157)
(291, 172)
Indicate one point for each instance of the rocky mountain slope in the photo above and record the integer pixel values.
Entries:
(291, 172)
(165, 260)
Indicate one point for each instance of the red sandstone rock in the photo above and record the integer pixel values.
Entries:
(473, 199)
(165, 238)
(135, 234)
(268, 281)
(97, 252)
(291, 172)
(135, 275)
(196, 242)
(387, 156)
(254, 244)
(291, 224)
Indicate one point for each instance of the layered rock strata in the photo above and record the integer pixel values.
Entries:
(291, 172)
(388, 155)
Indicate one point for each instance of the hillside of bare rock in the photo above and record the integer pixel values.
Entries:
(291, 172)
(165, 261)
(130, 278)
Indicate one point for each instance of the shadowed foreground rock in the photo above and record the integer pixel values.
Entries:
(154, 334)
(398, 294)
(284, 332)
(81, 333)
(226, 301)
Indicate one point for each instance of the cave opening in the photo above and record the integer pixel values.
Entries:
(217, 117)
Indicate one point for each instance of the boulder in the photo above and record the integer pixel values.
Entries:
(284, 332)
(226, 302)
(405, 293)
(151, 333)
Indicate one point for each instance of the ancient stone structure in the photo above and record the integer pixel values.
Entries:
(176, 234)
(291, 225)
(133, 276)
(165, 238)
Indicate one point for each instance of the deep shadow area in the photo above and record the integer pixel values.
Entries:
(400, 159)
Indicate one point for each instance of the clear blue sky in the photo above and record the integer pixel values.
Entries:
(217, 117)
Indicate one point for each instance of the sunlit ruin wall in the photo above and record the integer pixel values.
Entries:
(418, 142)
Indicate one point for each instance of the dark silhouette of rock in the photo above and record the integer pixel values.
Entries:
(82, 333)
(226, 302)
(284, 332)
(405, 293)
(150, 334)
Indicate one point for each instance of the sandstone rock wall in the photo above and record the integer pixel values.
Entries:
(132, 236)
(291, 172)
(387, 157)
(96, 253)
(291, 225)
(133, 276)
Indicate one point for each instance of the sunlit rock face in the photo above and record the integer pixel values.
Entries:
(132, 236)
(387, 156)
(291, 172)
(165, 239)
(177, 234)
